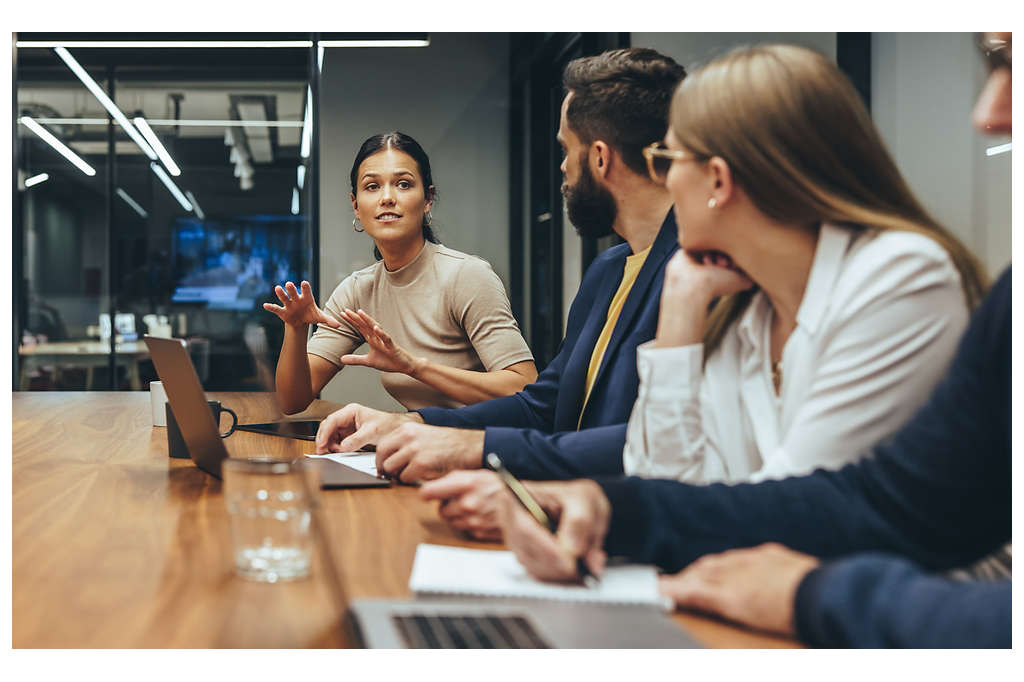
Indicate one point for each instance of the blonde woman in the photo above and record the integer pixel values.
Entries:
(840, 301)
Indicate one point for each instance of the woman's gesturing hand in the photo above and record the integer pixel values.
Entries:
(299, 308)
(692, 281)
(384, 353)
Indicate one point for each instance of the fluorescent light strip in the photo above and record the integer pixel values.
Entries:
(157, 145)
(295, 201)
(300, 175)
(195, 205)
(162, 174)
(164, 43)
(131, 202)
(374, 43)
(61, 148)
(171, 122)
(307, 125)
(320, 58)
(998, 149)
(107, 103)
(36, 179)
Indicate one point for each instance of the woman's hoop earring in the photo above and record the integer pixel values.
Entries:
(712, 202)
(357, 226)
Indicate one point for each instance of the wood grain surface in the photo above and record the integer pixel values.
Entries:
(116, 545)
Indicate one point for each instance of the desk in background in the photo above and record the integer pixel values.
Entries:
(87, 354)
(117, 545)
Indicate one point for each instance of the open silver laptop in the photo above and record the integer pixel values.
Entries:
(205, 447)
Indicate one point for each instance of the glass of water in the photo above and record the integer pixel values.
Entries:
(270, 510)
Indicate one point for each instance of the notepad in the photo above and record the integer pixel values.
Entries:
(360, 461)
(441, 570)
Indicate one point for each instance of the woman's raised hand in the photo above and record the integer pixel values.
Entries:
(384, 353)
(299, 308)
(692, 281)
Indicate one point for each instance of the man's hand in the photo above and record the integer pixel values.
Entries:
(469, 502)
(755, 586)
(354, 426)
(419, 452)
(582, 512)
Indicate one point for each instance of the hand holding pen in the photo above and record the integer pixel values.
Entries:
(566, 550)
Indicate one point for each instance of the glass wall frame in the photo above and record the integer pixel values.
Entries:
(134, 248)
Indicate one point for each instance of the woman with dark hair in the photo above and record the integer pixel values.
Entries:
(454, 340)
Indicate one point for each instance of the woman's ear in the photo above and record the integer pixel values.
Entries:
(721, 180)
(355, 205)
(430, 200)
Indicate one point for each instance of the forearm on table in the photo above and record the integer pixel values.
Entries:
(467, 386)
(293, 381)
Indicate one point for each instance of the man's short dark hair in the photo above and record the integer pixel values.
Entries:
(622, 97)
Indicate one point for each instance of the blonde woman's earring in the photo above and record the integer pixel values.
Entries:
(712, 202)
(357, 226)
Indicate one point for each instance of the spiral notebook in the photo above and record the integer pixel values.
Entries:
(457, 571)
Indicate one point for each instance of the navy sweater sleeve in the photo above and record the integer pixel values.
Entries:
(938, 492)
(875, 601)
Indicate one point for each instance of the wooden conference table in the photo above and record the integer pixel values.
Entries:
(117, 545)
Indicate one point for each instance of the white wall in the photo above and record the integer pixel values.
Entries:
(923, 88)
(453, 98)
(693, 49)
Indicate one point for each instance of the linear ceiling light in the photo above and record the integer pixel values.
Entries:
(300, 176)
(36, 179)
(176, 122)
(195, 205)
(295, 201)
(307, 125)
(131, 202)
(107, 103)
(164, 43)
(374, 43)
(157, 145)
(61, 148)
(999, 149)
(162, 174)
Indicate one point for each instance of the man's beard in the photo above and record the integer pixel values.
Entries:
(591, 208)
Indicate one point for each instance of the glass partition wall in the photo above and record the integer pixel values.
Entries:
(161, 190)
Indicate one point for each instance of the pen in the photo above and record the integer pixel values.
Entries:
(526, 499)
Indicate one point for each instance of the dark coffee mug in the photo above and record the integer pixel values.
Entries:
(176, 444)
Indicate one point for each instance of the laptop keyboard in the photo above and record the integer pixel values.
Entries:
(469, 632)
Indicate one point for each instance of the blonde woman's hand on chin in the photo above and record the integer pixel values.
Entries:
(692, 281)
(384, 353)
(299, 308)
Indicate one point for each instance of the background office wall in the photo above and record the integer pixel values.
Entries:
(923, 89)
(453, 98)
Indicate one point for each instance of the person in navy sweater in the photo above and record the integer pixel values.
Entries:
(573, 418)
(837, 558)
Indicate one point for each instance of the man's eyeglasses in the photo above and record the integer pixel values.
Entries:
(659, 160)
(998, 52)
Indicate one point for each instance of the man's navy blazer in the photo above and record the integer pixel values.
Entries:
(535, 431)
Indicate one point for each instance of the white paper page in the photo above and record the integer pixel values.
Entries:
(480, 572)
(360, 461)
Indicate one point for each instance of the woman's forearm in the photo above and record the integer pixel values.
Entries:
(293, 382)
(468, 387)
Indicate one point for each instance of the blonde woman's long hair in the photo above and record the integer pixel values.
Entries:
(799, 141)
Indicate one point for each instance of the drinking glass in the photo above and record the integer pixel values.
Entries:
(270, 505)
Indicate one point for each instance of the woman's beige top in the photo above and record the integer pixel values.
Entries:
(446, 306)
